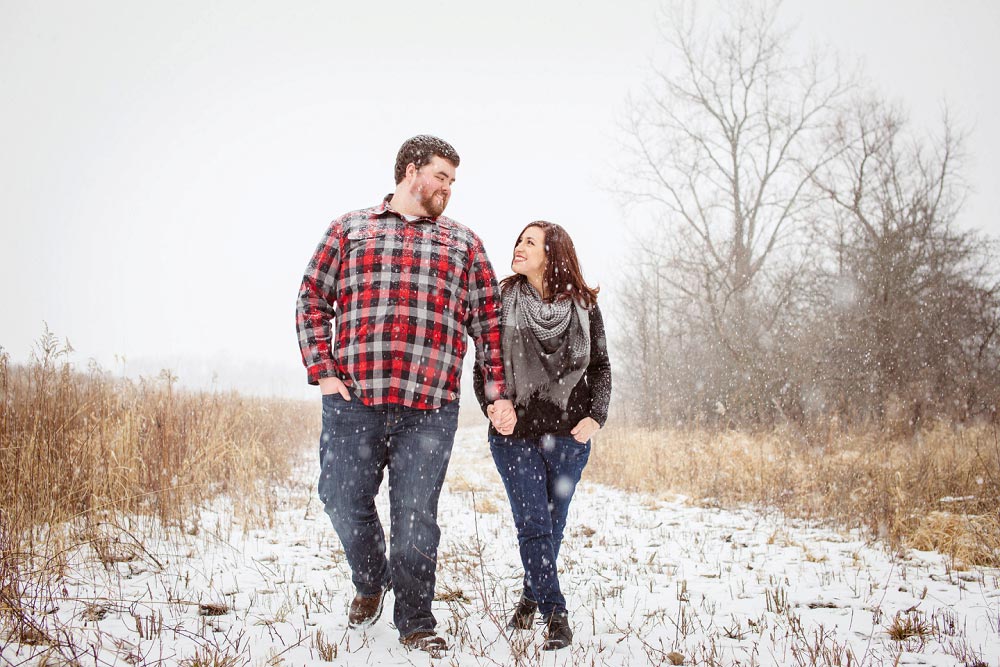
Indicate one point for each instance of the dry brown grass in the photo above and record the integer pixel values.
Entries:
(937, 490)
(82, 455)
(89, 447)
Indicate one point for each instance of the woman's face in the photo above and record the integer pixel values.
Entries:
(529, 254)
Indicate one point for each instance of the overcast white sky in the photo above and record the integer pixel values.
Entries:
(166, 168)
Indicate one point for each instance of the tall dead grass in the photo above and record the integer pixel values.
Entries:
(85, 445)
(83, 455)
(939, 489)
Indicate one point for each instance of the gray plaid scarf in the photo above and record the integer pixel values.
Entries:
(546, 346)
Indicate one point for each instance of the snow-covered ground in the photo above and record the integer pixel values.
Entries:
(648, 581)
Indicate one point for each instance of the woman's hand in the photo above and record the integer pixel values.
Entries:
(503, 416)
(585, 430)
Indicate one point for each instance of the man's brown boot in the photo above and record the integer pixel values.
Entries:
(365, 610)
(424, 640)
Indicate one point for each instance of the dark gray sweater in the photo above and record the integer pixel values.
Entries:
(589, 398)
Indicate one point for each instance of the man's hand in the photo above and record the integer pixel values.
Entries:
(585, 430)
(334, 386)
(503, 416)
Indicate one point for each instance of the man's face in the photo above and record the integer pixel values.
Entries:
(431, 185)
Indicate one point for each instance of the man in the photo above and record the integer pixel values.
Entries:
(404, 284)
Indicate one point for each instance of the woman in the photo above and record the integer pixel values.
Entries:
(559, 377)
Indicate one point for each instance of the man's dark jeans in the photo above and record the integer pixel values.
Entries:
(540, 475)
(357, 444)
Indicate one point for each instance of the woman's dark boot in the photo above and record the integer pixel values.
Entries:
(558, 634)
(524, 614)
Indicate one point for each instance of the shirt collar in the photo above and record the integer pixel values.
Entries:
(385, 208)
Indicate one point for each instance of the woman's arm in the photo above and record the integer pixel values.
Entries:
(479, 385)
(599, 369)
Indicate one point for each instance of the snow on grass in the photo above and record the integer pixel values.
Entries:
(647, 580)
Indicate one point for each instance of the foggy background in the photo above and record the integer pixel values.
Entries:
(167, 168)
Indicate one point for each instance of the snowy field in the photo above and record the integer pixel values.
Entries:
(647, 581)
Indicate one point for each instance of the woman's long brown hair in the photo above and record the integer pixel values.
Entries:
(563, 278)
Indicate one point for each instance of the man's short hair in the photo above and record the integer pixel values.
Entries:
(420, 150)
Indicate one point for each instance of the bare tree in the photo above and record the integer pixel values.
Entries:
(645, 348)
(806, 259)
(725, 147)
(914, 318)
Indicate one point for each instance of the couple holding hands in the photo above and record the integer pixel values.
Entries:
(405, 285)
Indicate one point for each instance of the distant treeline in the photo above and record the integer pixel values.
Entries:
(805, 262)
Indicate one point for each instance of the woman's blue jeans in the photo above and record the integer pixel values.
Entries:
(540, 475)
(358, 443)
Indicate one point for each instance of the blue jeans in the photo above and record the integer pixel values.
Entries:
(540, 475)
(358, 443)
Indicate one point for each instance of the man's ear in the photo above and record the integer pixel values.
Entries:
(411, 170)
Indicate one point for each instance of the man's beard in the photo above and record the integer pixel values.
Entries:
(434, 204)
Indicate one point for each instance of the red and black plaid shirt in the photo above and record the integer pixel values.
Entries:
(403, 295)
